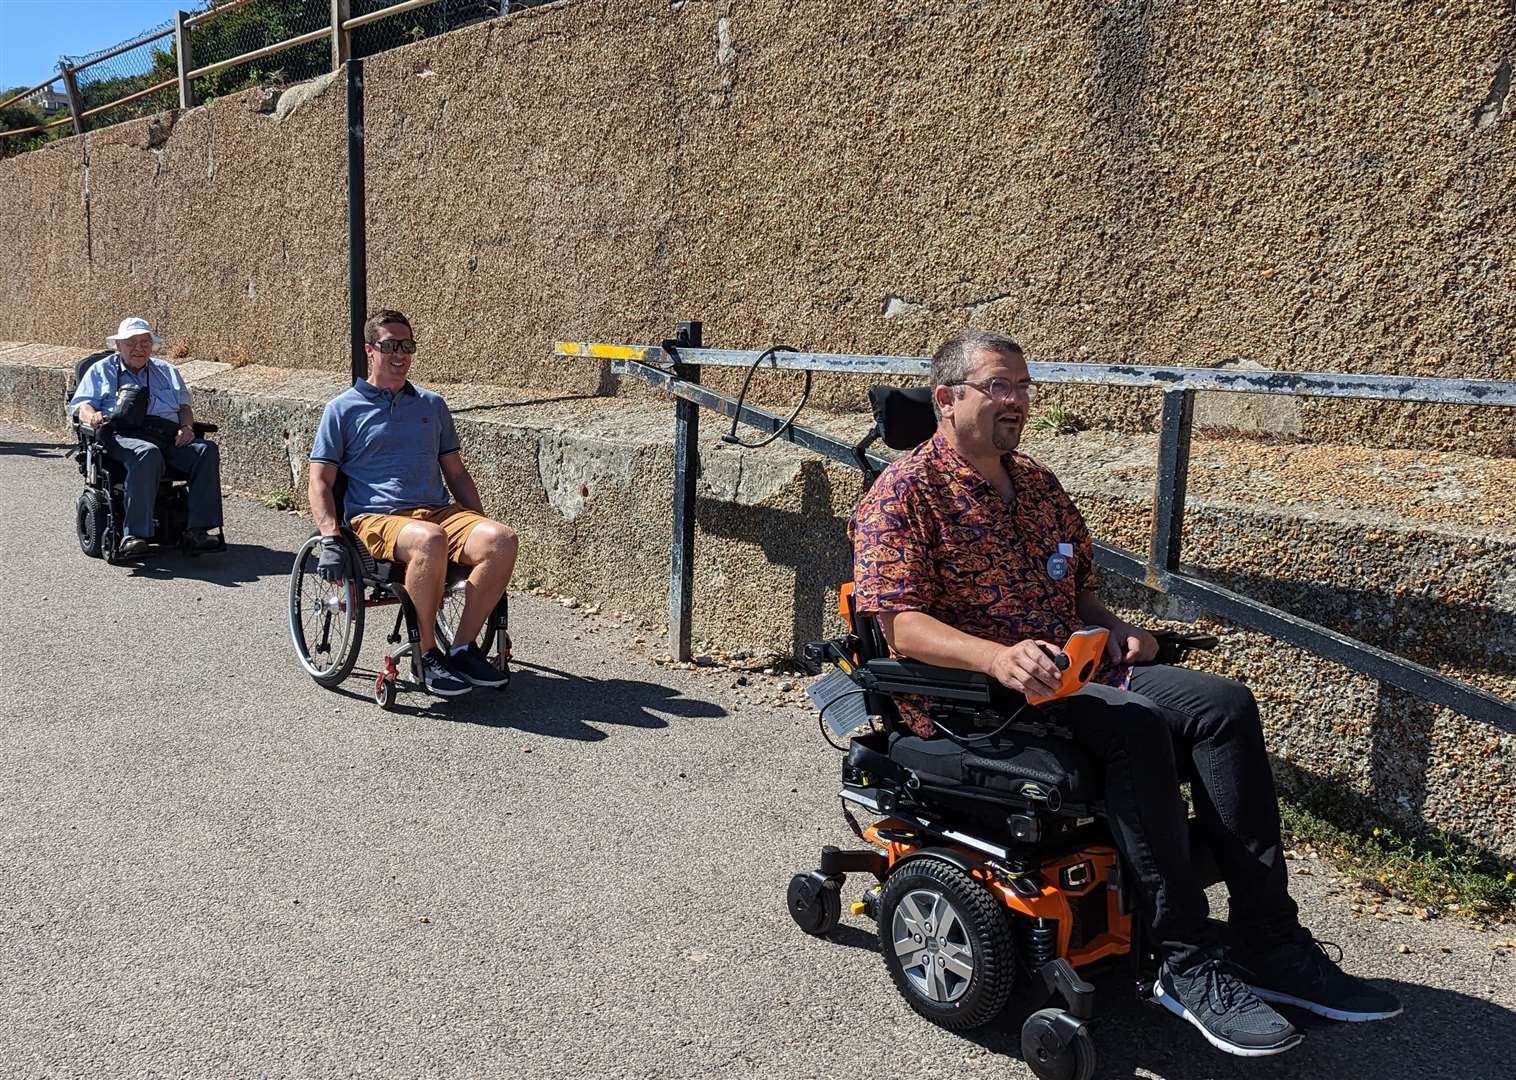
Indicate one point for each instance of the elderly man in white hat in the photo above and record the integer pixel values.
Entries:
(146, 437)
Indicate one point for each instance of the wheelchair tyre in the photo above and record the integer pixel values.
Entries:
(947, 944)
(449, 614)
(1047, 1059)
(90, 518)
(815, 903)
(326, 621)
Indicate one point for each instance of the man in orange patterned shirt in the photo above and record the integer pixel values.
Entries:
(972, 555)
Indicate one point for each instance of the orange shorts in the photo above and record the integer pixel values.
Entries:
(380, 531)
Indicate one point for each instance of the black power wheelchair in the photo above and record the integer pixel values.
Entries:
(997, 879)
(100, 511)
(326, 620)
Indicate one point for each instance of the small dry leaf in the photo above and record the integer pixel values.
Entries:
(1402, 948)
(424, 919)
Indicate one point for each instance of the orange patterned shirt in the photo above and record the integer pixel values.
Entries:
(932, 535)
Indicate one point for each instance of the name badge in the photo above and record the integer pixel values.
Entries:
(1058, 562)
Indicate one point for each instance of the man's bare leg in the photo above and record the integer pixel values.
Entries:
(491, 550)
(422, 547)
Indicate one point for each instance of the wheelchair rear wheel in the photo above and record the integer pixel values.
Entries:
(326, 621)
(90, 520)
(947, 944)
(449, 614)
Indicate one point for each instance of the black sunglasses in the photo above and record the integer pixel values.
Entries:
(394, 345)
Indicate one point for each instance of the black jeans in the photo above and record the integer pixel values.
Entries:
(1176, 724)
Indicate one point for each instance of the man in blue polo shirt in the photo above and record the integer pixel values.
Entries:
(148, 440)
(396, 444)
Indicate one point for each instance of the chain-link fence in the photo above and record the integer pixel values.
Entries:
(234, 44)
(136, 78)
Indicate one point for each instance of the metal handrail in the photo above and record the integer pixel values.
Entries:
(1412, 388)
(675, 367)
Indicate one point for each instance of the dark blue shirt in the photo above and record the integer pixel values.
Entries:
(388, 445)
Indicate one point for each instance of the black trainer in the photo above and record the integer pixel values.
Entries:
(1225, 1010)
(202, 540)
(439, 676)
(1300, 973)
(131, 547)
(471, 664)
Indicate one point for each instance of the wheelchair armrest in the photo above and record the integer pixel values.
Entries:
(909, 677)
(203, 429)
(1173, 646)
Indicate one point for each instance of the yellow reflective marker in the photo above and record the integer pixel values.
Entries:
(600, 351)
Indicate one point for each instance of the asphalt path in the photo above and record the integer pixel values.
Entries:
(211, 867)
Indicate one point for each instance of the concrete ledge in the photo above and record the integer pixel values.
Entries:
(1412, 551)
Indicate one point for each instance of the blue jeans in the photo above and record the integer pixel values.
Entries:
(145, 462)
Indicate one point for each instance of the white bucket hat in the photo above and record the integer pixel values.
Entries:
(130, 328)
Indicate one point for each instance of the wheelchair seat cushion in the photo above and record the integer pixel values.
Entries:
(1007, 766)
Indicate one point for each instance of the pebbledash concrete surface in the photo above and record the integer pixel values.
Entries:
(1302, 186)
(1412, 550)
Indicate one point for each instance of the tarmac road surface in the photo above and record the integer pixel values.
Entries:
(211, 867)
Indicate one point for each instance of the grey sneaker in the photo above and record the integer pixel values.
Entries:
(1300, 973)
(439, 676)
(472, 665)
(1224, 1009)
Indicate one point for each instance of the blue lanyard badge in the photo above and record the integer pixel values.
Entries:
(1058, 562)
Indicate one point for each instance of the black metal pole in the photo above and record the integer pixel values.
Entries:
(357, 240)
(1169, 490)
(686, 468)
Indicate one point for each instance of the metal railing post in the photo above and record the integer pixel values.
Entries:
(1169, 489)
(342, 40)
(686, 468)
(186, 64)
(357, 236)
(71, 88)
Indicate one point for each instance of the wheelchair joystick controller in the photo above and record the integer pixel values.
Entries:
(1078, 659)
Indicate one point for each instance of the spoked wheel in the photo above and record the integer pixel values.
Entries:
(449, 614)
(1052, 1055)
(947, 943)
(90, 520)
(326, 621)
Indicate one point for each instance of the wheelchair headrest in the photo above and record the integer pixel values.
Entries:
(904, 416)
(85, 364)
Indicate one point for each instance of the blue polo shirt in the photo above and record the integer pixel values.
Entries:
(388, 446)
(104, 379)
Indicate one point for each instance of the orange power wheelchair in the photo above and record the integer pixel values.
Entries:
(995, 879)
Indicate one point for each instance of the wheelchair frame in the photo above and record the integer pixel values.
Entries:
(382, 584)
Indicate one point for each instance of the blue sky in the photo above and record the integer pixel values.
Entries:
(34, 33)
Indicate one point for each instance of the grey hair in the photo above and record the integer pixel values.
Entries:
(954, 358)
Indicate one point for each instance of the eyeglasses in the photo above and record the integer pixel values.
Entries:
(1002, 391)
(390, 345)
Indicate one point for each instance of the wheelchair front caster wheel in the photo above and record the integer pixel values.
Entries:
(815, 903)
(384, 693)
(1056, 1046)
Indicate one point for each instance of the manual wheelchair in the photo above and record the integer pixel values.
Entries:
(100, 510)
(997, 880)
(326, 621)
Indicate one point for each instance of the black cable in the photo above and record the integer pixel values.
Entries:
(731, 436)
(821, 717)
(968, 742)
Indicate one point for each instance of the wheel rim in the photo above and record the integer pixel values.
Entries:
(321, 616)
(453, 600)
(932, 945)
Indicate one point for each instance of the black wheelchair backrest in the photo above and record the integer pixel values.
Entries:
(82, 366)
(904, 416)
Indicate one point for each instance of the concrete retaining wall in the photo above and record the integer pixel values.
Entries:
(1302, 186)
(586, 482)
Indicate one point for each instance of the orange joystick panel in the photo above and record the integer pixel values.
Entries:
(1078, 661)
